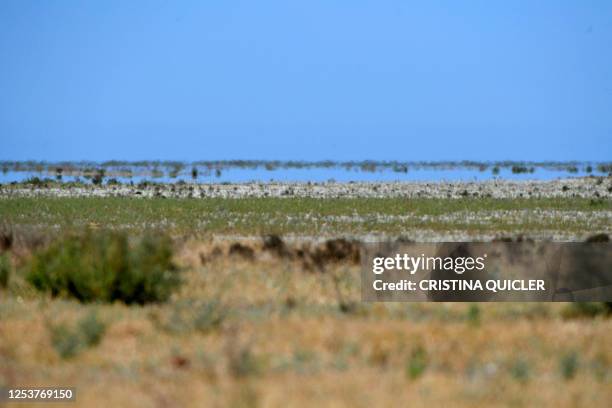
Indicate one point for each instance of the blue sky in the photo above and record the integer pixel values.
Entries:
(395, 80)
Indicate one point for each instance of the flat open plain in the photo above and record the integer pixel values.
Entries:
(269, 310)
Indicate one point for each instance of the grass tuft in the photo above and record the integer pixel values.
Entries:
(92, 329)
(417, 363)
(586, 309)
(69, 341)
(520, 371)
(568, 364)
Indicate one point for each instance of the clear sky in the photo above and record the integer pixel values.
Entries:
(317, 79)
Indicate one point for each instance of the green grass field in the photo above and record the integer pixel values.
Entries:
(304, 216)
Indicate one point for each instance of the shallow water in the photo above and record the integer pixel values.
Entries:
(305, 174)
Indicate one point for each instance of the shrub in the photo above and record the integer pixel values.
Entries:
(519, 169)
(586, 309)
(417, 363)
(38, 182)
(65, 341)
(157, 173)
(5, 270)
(473, 315)
(188, 315)
(92, 329)
(243, 363)
(604, 168)
(98, 177)
(520, 370)
(103, 267)
(568, 365)
(400, 168)
(69, 341)
(209, 316)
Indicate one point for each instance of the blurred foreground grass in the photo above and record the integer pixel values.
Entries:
(265, 333)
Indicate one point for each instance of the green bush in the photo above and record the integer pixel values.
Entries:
(522, 169)
(102, 267)
(473, 315)
(38, 182)
(92, 329)
(98, 177)
(5, 270)
(416, 363)
(568, 364)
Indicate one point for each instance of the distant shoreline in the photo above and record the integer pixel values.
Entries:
(242, 171)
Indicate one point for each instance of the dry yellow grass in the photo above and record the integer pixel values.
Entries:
(284, 341)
